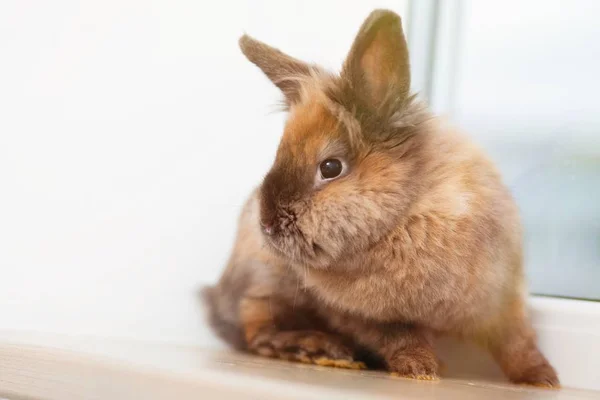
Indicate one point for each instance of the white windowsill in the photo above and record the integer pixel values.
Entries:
(42, 366)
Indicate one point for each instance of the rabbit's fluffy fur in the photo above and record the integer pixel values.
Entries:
(417, 237)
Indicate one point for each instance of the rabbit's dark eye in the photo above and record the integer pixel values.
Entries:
(331, 168)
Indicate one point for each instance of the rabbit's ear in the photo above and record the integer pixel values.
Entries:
(284, 71)
(377, 66)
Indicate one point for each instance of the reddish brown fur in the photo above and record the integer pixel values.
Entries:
(419, 237)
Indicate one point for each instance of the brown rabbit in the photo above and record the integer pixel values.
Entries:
(376, 229)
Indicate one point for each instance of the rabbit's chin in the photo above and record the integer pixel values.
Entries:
(296, 250)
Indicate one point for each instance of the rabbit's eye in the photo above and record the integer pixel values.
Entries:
(331, 168)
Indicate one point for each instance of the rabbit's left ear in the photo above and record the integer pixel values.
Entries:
(284, 71)
(377, 66)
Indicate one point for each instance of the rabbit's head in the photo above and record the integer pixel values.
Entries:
(347, 167)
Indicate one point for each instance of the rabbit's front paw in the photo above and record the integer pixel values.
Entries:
(414, 364)
(311, 347)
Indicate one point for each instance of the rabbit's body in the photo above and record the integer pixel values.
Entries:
(415, 236)
(462, 228)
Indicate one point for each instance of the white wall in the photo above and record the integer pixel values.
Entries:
(130, 133)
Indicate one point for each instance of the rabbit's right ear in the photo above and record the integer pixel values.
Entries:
(377, 66)
(284, 71)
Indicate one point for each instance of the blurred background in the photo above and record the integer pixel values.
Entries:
(131, 132)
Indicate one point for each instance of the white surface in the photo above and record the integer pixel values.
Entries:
(568, 332)
(64, 368)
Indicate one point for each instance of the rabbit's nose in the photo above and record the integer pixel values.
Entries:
(267, 228)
